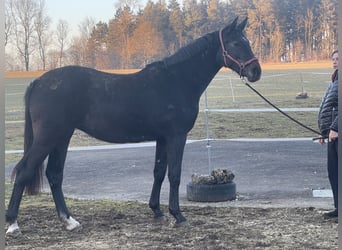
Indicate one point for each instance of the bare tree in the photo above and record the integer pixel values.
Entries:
(134, 5)
(74, 54)
(86, 28)
(277, 41)
(80, 51)
(308, 33)
(326, 32)
(62, 35)
(24, 13)
(8, 21)
(42, 25)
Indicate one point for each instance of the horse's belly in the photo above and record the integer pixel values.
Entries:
(138, 124)
(124, 138)
(120, 134)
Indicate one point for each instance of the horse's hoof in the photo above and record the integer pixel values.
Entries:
(72, 224)
(13, 234)
(76, 228)
(159, 219)
(182, 224)
(13, 230)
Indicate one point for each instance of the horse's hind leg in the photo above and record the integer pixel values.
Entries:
(25, 173)
(159, 175)
(13, 207)
(54, 174)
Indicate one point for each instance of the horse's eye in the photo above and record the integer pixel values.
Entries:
(235, 44)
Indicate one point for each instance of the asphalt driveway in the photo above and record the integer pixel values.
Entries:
(267, 173)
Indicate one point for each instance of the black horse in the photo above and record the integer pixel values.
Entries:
(159, 103)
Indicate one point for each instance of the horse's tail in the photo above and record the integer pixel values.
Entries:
(34, 185)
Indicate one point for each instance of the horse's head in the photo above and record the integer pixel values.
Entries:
(235, 51)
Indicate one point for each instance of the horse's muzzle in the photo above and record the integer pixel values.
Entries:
(252, 72)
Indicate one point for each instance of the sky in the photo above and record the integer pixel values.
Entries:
(75, 11)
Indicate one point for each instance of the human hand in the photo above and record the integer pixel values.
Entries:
(332, 135)
(321, 140)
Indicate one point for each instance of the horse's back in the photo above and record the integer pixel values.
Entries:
(113, 107)
(61, 92)
(67, 78)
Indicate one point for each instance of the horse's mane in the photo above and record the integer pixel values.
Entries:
(188, 51)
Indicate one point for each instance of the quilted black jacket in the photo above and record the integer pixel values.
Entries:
(328, 111)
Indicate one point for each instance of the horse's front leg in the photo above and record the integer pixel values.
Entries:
(159, 172)
(175, 149)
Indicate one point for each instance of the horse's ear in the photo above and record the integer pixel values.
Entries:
(242, 25)
(231, 26)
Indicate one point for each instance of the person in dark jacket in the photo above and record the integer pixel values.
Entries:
(328, 125)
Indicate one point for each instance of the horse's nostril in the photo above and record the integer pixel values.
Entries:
(253, 74)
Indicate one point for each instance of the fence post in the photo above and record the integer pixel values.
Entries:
(207, 130)
(2, 125)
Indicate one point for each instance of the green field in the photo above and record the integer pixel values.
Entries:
(226, 91)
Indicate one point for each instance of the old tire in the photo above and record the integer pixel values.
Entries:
(211, 193)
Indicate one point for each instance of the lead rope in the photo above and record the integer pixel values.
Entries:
(282, 112)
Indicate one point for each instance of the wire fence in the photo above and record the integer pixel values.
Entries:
(228, 109)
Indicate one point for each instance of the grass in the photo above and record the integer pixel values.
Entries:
(226, 91)
(46, 199)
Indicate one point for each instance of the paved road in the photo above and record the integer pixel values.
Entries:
(267, 173)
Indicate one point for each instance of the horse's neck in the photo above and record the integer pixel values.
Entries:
(200, 72)
(196, 63)
(207, 77)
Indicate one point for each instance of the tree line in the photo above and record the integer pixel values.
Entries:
(279, 31)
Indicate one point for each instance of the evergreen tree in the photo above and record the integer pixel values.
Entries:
(120, 29)
(158, 14)
(147, 44)
(97, 44)
(176, 20)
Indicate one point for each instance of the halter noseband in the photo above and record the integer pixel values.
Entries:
(226, 55)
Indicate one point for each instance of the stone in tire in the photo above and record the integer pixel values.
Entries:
(211, 193)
